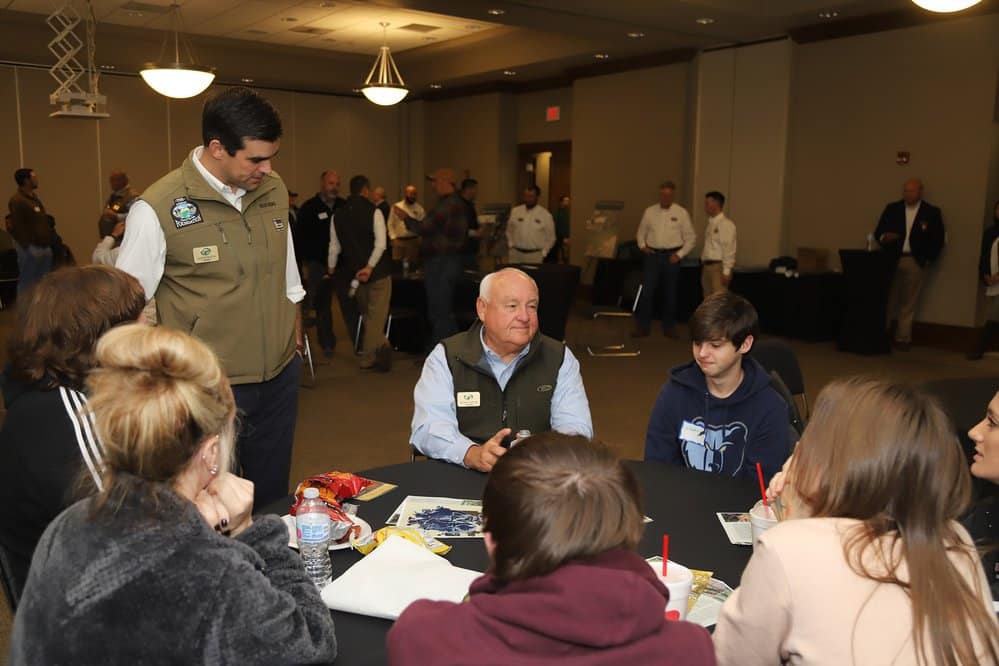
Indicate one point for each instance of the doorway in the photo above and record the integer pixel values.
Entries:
(547, 165)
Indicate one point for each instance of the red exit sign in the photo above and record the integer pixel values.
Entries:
(553, 113)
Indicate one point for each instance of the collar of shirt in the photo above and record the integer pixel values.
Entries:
(234, 198)
(717, 218)
(501, 371)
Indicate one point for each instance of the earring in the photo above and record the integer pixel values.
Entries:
(213, 470)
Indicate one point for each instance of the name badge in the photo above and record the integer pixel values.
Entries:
(324, 215)
(691, 432)
(206, 254)
(469, 399)
(278, 223)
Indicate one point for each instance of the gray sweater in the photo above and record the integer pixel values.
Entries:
(153, 583)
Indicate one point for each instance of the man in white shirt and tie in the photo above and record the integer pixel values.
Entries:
(530, 232)
(665, 236)
(718, 256)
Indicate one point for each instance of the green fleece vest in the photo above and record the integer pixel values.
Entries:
(483, 409)
(224, 277)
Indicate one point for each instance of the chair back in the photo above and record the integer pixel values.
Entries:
(7, 580)
(777, 356)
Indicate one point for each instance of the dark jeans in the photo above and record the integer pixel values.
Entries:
(267, 414)
(319, 295)
(33, 262)
(658, 273)
(440, 276)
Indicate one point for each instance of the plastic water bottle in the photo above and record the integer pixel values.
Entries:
(354, 284)
(313, 526)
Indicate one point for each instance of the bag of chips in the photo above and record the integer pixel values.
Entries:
(419, 537)
(334, 487)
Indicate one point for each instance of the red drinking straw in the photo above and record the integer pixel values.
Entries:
(763, 488)
(665, 552)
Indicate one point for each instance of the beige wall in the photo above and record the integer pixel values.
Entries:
(930, 90)
(740, 142)
(531, 124)
(624, 149)
(147, 135)
(475, 136)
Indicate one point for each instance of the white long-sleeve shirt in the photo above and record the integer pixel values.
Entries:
(106, 253)
(663, 228)
(143, 250)
(720, 242)
(397, 228)
(531, 229)
(378, 225)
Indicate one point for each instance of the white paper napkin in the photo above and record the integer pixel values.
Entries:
(394, 575)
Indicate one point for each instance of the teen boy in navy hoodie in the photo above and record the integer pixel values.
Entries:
(719, 413)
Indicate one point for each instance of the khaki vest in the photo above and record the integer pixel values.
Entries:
(527, 401)
(224, 276)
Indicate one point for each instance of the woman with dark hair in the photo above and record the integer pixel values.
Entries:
(870, 565)
(983, 520)
(562, 519)
(167, 563)
(988, 273)
(46, 442)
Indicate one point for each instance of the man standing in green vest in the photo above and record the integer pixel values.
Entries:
(499, 377)
(210, 241)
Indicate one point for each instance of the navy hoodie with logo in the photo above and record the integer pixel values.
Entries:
(748, 427)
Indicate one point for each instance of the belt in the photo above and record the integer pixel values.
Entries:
(665, 250)
(526, 249)
(410, 237)
(710, 262)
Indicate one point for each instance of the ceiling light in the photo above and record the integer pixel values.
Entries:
(496, 12)
(177, 79)
(705, 21)
(509, 72)
(384, 85)
(601, 56)
(636, 35)
(435, 86)
(828, 15)
(105, 67)
(946, 6)
(246, 79)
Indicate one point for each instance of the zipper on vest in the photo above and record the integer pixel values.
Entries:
(249, 232)
(225, 239)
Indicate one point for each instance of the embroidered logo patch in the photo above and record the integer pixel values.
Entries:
(278, 223)
(544, 388)
(185, 213)
(266, 204)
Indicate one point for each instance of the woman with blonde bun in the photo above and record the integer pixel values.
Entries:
(166, 564)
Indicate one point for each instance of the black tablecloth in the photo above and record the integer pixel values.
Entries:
(681, 502)
(807, 307)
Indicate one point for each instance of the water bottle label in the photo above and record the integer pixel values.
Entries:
(313, 530)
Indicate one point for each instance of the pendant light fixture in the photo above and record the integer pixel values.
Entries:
(384, 85)
(946, 6)
(176, 79)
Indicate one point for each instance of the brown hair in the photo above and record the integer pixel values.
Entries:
(724, 316)
(554, 498)
(156, 395)
(61, 318)
(884, 454)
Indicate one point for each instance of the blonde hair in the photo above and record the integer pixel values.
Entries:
(156, 395)
(885, 454)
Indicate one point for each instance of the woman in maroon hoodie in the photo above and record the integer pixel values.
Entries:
(562, 519)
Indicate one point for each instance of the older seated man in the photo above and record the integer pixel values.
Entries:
(499, 377)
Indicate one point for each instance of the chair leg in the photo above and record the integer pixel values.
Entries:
(308, 358)
(357, 333)
(388, 326)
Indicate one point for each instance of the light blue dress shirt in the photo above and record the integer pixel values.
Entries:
(435, 419)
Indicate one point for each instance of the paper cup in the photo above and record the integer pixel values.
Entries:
(678, 580)
(762, 518)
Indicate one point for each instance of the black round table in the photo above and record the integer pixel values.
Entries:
(681, 503)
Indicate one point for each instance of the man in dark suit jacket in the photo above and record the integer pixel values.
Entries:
(913, 230)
